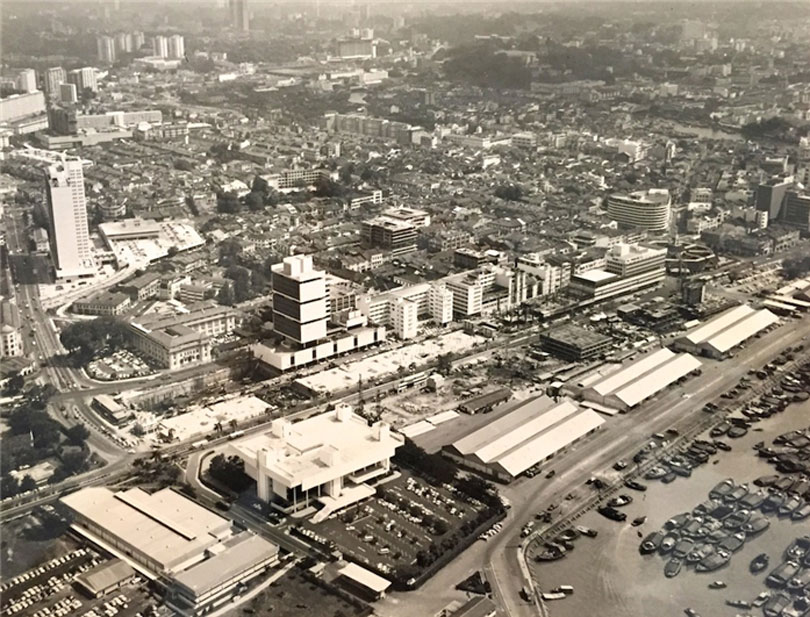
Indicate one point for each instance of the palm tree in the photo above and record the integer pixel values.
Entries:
(233, 423)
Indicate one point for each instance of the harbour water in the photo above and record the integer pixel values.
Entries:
(610, 577)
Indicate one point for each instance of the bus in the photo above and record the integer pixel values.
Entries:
(199, 444)
(236, 434)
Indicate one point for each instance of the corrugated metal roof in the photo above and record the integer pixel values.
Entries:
(633, 371)
(502, 444)
(543, 445)
(733, 336)
(657, 380)
(367, 578)
(719, 323)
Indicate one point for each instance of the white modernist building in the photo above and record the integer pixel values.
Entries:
(406, 319)
(325, 459)
(71, 249)
(628, 386)
(648, 210)
(720, 335)
(194, 554)
(531, 434)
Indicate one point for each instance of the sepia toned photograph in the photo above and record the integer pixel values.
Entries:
(355, 308)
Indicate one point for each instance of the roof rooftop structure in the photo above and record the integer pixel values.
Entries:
(721, 334)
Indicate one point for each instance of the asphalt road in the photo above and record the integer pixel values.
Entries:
(621, 437)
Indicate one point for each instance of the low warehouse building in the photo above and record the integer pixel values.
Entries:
(720, 335)
(193, 553)
(363, 583)
(485, 402)
(104, 578)
(631, 384)
(532, 433)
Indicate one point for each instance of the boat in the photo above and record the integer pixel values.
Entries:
(670, 477)
(736, 493)
(699, 553)
(759, 563)
(654, 473)
(756, 524)
(550, 554)
(721, 489)
(720, 430)
(801, 513)
(773, 501)
(712, 562)
(552, 596)
(668, 543)
(735, 432)
(717, 585)
(568, 534)
(620, 500)
(678, 521)
(739, 603)
(737, 519)
(733, 543)
(586, 531)
(798, 548)
(753, 500)
(682, 548)
(790, 504)
(672, 568)
(766, 481)
(717, 536)
(782, 574)
(640, 520)
(774, 606)
(761, 599)
(651, 543)
(799, 582)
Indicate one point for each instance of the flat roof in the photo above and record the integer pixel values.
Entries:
(571, 334)
(596, 276)
(165, 526)
(245, 550)
(367, 578)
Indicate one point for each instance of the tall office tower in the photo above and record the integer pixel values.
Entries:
(54, 77)
(84, 78)
(769, 197)
(300, 310)
(240, 15)
(160, 46)
(68, 94)
(123, 42)
(648, 210)
(138, 39)
(27, 81)
(67, 213)
(177, 46)
(105, 47)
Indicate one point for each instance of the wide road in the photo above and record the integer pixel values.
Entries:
(620, 437)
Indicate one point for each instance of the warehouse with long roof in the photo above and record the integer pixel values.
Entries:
(533, 432)
(722, 334)
(629, 385)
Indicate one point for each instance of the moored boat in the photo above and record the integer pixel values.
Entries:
(673, 567)
(759, 563)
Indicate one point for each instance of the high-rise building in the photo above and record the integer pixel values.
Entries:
(105, 47)
(53, 78)
(27, 81)
(177, 46)
(648, 210)
(240, 15)
(160, 46)
(123, 42)
(300, 309)
(440, 300)
(71, 249)
(68, 94)
(138, 39)
(769, 197)
(394, 234)
(405, 318)
(84, 78)
(796, 210)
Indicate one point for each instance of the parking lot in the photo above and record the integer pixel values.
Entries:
(48, 591)
(405, 529)
(122, 364)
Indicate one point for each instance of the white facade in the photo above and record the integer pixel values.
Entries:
(71, 249)
(300, 306)
(648, 210)
(105, 46)
(160, 46)
(322, 458)
(68, 94)
(406, 321)
(177, 46)
(441, 304)
(53, 78)
(84, 78)
(27, 80)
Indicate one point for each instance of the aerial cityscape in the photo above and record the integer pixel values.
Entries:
(339, 308)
